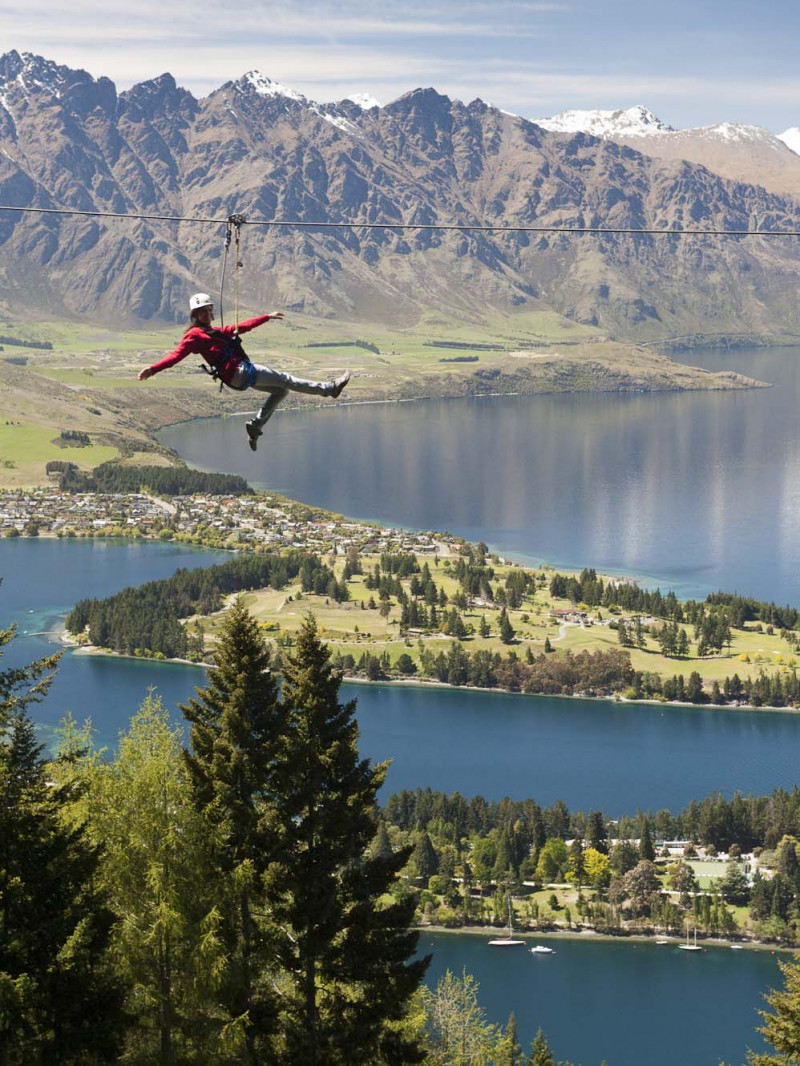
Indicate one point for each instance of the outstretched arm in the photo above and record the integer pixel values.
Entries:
(186, 347)
(252, 323)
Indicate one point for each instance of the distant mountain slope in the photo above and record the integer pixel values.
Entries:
(742, 153)
(68, 140)
(791, 138)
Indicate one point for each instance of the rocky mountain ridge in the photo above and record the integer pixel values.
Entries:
(734, 150)
(68, 140)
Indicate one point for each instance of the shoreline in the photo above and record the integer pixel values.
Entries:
(589, 935)
(60, 634)
(727, 381)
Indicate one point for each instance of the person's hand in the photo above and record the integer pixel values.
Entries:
(275, 314)
(146, 373)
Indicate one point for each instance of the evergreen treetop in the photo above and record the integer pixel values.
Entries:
(345, 951)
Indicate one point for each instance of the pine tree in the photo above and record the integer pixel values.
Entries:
(59, 1003)
(424, 858)
(236, 765)
(596, 832)
(345, 953)
(154, 867)
(506, 629)
(540, 1054)
(646, 848)
(382, 846)
(781, 1026)
(509, 1050)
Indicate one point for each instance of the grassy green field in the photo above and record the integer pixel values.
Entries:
(354, 627)
(94, 369)
(25, 447)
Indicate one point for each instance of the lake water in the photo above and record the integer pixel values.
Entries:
(696, 491)
(628, 1003)
(618, 757)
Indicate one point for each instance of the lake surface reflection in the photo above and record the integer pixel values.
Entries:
(697, 491)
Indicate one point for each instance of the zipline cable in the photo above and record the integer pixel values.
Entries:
(440, 227)
(228, 233)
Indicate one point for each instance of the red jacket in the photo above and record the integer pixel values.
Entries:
(196, 341)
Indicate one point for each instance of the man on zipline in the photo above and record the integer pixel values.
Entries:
(222, 350)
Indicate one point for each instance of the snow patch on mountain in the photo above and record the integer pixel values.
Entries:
(624, 122)
(737, 132)
(268, 88)
(791, 138)
(339, 121)
(265, 86)
(32, 72)
(636, 122)
(364, 100)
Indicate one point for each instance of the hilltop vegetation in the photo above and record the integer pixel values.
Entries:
(460, 616)
(732, 867)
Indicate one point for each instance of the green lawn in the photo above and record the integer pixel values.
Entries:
(353, 627)
(706, 871)
(26, 444)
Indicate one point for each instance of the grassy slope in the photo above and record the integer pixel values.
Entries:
(88, 380)
(348, 627)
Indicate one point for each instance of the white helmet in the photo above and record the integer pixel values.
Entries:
(200, 299)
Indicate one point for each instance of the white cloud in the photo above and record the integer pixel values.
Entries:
(533, 58)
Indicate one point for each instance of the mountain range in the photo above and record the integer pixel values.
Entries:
(740, 152)
(68, 140)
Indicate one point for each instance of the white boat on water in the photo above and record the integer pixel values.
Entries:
(691, 947)
(663, 940)
(507, 941)
(541, 949)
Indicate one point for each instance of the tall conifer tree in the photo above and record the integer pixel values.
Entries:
(154, 869)
(345, 952)
(781, 1027)
(236, 764)
(58, 1001)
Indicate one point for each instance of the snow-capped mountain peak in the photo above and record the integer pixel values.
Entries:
(631, 121)
(31, 71)
(791, 138)
(737, 131)
(265, 86)
(364, 100)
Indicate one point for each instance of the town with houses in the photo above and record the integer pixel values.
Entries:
(262, 520)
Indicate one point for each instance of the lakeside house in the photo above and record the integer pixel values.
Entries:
(570, 614)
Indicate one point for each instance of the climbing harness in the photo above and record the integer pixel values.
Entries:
(232, 342)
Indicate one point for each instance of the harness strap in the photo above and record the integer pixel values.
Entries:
(232, 349)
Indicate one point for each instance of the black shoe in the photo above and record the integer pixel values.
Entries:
(253, 433)
(338, 385)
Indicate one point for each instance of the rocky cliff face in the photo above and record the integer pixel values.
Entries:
(67, 140)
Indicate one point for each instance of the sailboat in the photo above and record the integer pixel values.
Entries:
(507, 941)
(691, 947)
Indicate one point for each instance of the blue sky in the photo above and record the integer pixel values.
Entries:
(693, 62)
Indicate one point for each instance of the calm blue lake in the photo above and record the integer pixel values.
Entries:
(618, 757)
(593, 1000)
(695, 491)
(628, 1003)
